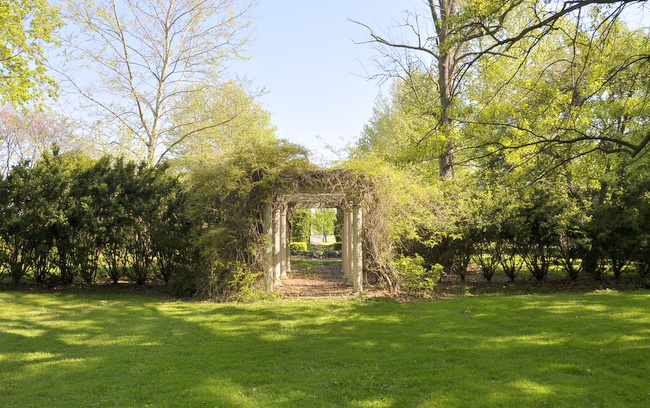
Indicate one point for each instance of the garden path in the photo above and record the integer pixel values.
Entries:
(318, 281)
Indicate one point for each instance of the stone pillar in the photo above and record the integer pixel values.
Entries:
(268, 251)
(288, 250)
(277, 248)
(284, 242)
(357, 250)
(346, 246)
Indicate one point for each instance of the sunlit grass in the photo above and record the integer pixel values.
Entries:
(63, 350)
(311, 263)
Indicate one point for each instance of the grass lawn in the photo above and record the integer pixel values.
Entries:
(311, 263)
(91, 350)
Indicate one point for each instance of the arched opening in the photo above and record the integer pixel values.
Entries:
(323, 223)
(315, 258)
(315, 232)
(278, 229)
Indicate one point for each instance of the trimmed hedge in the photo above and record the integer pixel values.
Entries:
(298, 246)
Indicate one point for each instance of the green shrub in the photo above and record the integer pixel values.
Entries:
(298, 246)
(337, 246)
(300, 224)
(183, 283)
(415, 278)
(242, 283)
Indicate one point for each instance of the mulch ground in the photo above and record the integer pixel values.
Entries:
(328, 282)
(319, 282)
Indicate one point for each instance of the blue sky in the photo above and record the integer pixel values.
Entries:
(304, 54)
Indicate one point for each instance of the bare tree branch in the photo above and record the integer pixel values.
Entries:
(146, 54)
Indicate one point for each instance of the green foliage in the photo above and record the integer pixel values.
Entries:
(212, 121)
(541, 215)
(540, 188)
(230, 198)
(300, 221)
(487, 261)
(298, 246)
(71, 217)
(572, 245)
(415, 279)
(401, 130)
(550, 144)
(243, 284)
(25, 27)
(183, 283)
(618, 229)
(15, 226)
(398, 206)
(586, 104)
(322, 221)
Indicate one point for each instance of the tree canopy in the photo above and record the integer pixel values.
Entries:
(146, 55)
(26, 26)
(514, 139)
(549, 128)
(437, 51)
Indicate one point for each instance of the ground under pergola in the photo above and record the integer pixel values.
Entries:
(317, 195)
(325, 280)
(320, 281)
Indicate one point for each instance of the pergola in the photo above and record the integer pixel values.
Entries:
(276, 227)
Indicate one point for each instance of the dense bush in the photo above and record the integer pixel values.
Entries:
(230, 198)
(70, 217)
(542, 227)
(545, 226)
(415, 278)
(298, 246)
(300, 221)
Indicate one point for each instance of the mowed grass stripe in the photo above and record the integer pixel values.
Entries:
(62, 350)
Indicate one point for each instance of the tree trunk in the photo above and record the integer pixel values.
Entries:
(446, 74)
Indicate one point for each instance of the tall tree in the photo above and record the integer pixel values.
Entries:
(26, 26)
(448, 37)
(214, 123)
(437, 42)
(145, 54)
(399, 131)
(582, 92)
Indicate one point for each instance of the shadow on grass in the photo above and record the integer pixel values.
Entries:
(93, 350)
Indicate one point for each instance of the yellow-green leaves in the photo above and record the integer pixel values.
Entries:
(142, 57)
(26, 26)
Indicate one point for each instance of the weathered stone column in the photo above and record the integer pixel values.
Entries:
(357, 250)
(268, 251)
(277, 248)
(288, 249)
(346, 246)
(284, 242)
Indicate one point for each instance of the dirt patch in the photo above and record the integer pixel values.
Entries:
(328, 281)
(475, 284)
(320, 282)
